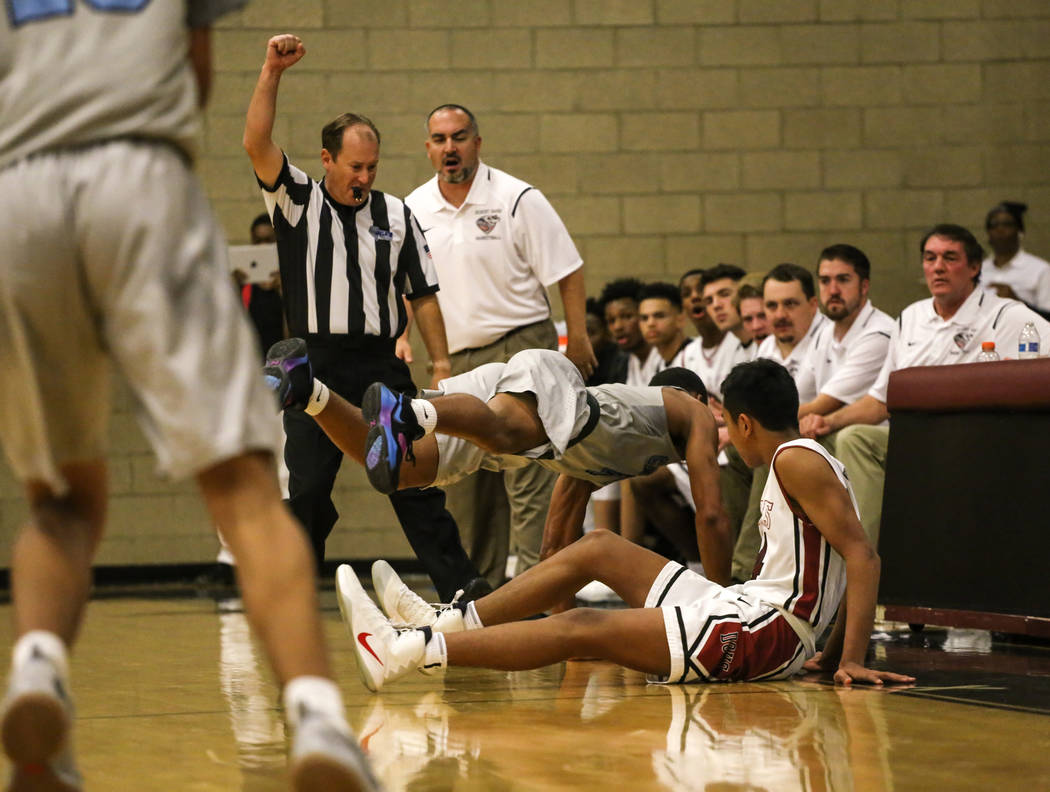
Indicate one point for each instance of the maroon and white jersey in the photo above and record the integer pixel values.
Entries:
(797, 569)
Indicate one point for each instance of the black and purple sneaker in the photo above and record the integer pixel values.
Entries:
(389, 442)
(287, 372)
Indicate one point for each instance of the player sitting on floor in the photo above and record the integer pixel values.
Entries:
(534, 409)
(680, 627)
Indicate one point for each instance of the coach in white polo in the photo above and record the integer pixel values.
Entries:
(847, 352)
(498, 245)
(946, 328)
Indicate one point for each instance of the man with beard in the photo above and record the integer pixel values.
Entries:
(497, 245)
(946, 328)
(848, 351)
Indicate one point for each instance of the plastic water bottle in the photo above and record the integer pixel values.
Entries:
(1028, 342)
(987, 353)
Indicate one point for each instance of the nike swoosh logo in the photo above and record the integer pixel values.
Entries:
(368, 737)
(362, 638)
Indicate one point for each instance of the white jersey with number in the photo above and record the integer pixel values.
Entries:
(797, 568)
(123, 72)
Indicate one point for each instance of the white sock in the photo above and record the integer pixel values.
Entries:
(318, 399)
(435, 654)
(471, 620)
(426, 414)
(319, 694)
(48, 644)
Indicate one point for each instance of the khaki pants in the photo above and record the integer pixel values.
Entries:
(503, 513)
(862, 449)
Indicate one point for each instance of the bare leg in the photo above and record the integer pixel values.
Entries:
(274, 567)
(51, 560)
(346, 427)
(505, 424)
(634, 638)
(600, 555)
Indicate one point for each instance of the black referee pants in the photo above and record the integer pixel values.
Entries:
(313, 462)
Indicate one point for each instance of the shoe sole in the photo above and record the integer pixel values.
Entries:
(372, 403)
(382, 574)
(320, 773)
(377, 461)
(34, 729)
(282, 350)
(346, 582)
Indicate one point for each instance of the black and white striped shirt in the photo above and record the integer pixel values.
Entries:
(343, 268)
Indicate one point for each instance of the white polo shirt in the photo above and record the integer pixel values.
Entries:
(793, 362)
(640, 372)
(1027, 275)
(495, 255)
(713, 365)
(921, 338)
(846, 369)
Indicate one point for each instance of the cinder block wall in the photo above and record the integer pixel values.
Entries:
(668, 133)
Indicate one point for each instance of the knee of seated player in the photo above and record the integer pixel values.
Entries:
(593, 548)
(582, 629)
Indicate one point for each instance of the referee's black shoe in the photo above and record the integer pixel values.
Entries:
(389, 442)
(288, 373)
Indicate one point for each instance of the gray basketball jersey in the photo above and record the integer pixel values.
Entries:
(124, 72)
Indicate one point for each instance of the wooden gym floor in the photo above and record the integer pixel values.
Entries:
(172, 695)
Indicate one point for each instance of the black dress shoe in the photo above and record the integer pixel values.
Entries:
(475, 589)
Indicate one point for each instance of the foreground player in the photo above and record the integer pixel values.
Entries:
(680, 627)
(113, 260)
(533, 409)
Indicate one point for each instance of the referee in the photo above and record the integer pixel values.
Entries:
(348, 254)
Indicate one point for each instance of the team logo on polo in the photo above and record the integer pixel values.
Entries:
(487, 222)
(963, 337)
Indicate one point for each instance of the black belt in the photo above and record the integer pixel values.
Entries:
(592, 421)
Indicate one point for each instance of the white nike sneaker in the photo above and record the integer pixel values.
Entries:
(325, 756)
(37, 721)
(383, 654)
(403, 605)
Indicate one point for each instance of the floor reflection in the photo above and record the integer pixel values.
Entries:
(598, 724)
(258, 727)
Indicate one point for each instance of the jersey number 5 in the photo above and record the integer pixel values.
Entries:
(22, 11)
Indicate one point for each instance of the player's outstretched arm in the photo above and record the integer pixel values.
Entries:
(810, 482)
(565, 516)
(267, 159)
(712, 525)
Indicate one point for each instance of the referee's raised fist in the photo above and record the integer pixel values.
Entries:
(284, 50)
